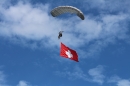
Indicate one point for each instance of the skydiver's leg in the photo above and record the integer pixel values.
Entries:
(58, 37)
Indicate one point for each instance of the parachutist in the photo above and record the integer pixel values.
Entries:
(60, 34)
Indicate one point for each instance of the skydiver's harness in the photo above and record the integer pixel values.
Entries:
(60, 34)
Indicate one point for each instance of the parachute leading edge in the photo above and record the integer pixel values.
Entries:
(67, 9)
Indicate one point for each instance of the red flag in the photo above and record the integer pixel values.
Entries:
(68, 53)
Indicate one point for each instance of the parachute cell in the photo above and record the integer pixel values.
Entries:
(66, 9)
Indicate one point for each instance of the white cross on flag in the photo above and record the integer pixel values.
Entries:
(68, 53)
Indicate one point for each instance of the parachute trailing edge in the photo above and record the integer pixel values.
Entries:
(67, 9)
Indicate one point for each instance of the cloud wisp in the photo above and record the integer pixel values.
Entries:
(119, 81)
(73, 75)
(97, 74)
(23, 83)
(2, 79)
(94, 75)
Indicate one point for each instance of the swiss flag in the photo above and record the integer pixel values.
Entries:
(68, 53)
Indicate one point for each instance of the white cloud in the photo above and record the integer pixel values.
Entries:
(114, 79)
(95, 3)
(2, 79)
(24, 21)
(123, 82)
(119, 81)
(118, 6)
(106, 6)
(97, 74)
(23, 83)
(77, 73)
(94, 75)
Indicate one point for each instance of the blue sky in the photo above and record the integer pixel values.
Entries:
(29, 47)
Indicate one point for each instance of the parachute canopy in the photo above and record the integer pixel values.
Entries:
(67, 9)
